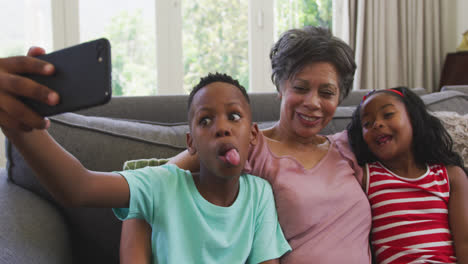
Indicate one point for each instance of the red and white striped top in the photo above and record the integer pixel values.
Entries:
(410, 216)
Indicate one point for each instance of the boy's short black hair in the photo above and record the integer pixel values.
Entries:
(216, 77)
(431, 141)
(211, 78)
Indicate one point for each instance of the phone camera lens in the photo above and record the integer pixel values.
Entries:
(100, 51)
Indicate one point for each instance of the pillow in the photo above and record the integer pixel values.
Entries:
(164, 134)
(141, 163)
(457, 127)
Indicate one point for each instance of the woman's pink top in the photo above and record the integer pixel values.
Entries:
(323, 211)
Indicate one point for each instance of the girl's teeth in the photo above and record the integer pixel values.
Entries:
(382, 139)
(309, 118)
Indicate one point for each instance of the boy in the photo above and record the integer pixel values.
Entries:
(216, 216)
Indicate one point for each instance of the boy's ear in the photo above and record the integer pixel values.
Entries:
(190, 147)
(254, 133)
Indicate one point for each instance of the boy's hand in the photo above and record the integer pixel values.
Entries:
(13, 113)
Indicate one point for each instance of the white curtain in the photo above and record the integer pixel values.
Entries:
(396, 43)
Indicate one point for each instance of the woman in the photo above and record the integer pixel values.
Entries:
(322, 209)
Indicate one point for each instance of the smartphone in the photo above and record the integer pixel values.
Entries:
(82, 78)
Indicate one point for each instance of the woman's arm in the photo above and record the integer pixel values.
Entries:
(458, 212)
(136, 234)
(186, 161)
(135, 242)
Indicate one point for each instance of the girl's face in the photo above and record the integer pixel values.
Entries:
(386, 127)
(309, 100)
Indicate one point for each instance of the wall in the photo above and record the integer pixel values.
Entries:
(462, 19)
(454, 23)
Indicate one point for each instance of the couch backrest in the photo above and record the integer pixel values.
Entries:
(460, 88)
(173, 108)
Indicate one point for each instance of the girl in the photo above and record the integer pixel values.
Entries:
(415, 183)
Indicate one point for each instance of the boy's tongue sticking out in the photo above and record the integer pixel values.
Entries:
(228, 154)
(232, 157)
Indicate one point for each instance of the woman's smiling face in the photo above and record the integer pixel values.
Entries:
(309, 99)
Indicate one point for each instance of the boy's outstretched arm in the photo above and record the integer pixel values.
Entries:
(64, 176)
(458, 212)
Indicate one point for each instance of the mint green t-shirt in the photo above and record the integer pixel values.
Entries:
(186, 228)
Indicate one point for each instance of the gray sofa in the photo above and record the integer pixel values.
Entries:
(36, 229)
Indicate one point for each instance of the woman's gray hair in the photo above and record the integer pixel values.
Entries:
(298, 48)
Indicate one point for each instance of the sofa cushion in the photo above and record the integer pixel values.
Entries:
(457, 127)
(451, 101)
(32, 230)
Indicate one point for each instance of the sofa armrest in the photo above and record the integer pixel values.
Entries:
(460, 88)
(32, 230)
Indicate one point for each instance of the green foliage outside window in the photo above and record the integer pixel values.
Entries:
(214, 35)
(215, 38)
(133, 55)
(299, 13)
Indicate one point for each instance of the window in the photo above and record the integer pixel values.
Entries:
(129, 26)
(25, 23)
(215, 38)
(165, 46)
(299, 13)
